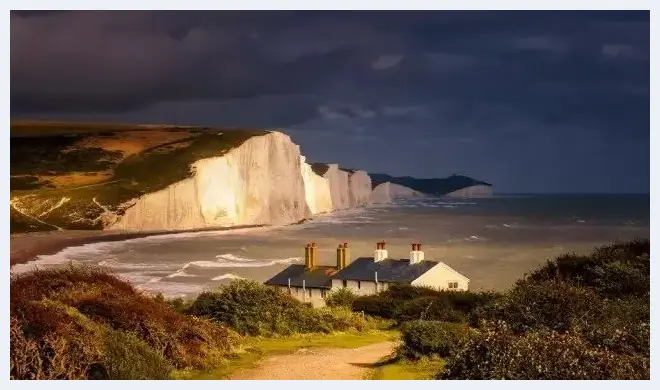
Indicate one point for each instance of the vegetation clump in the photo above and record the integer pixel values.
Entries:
(577, 317)
(80, 323)
(403, 303)
(433, 338)
(253, 309)
(342, 297)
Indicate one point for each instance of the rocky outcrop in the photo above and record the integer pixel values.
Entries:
(259, 182)
(478, 191)
(387, 192)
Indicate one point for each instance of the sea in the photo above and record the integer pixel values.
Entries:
(493, 241)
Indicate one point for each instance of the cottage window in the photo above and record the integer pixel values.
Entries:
(453, 285)
(323, 293)
(344, 284)
(359, 285)
(310, 292)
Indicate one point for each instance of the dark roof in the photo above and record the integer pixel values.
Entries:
(319, 277)
(389, 270)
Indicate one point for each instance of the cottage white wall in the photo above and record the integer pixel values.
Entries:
(439, 278)
(365, 287)
(316, 299)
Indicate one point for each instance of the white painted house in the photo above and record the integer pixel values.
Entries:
(366, 275)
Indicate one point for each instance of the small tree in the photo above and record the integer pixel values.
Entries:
(341, 298)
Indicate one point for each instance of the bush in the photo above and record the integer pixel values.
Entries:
(343, 297)
(548, 304)
(127, 357)
(254, 309)
(61, 317)
(616, 270)
(405, 303)
(501, 354)
(433, 338)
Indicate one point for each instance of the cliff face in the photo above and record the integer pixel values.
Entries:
(359, 188)
(339, 189)
(317, 189)
(259, 182)
(478, 191)
(387, 192)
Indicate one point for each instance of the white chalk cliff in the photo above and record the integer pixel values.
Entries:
(387, 192)
(264, 181)
(258, 182)
(359, 188)
(339, 190)
(317, 189)
(478, 191)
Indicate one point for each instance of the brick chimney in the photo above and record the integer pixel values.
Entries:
(346, 255)
(314, 256)
(308, 256)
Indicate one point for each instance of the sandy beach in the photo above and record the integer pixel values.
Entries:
(26, 247)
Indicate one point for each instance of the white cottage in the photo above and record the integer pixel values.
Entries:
(366, 275)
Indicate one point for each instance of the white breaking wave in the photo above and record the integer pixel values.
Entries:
(228, 276)
(476, 238)
(229, 260)
(114, 264)
(179, 274)
(172, 289)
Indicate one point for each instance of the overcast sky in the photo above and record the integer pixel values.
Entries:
(530, 101)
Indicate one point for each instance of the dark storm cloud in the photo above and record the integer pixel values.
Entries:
(538, 101)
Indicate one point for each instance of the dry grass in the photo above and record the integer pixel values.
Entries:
(77, 179)
(134, 142)
(63, 322)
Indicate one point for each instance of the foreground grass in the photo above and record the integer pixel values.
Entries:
(257, 348)
(396, 368)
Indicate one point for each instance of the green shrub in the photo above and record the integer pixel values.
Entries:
(125, 356)
(433, 338)
(405, 303)
(343, 297)
(376, 305)
(501, 354)
(253, 309)
(617, 270)
(547, 304)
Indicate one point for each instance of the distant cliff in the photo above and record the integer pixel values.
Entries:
(455, 185)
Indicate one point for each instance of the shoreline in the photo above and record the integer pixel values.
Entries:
(26, 247)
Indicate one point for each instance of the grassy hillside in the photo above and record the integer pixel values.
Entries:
(429, 186)
(80, 323)
(65, 175)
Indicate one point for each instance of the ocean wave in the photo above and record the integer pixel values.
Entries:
(228, 276)
(229, 260)
(179, 274)
(138, 278)
(172, 289)
(476, 238)
(112, 263)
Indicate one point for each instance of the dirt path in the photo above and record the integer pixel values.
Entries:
(335, 363)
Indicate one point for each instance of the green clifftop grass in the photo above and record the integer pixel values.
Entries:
(62, 175)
